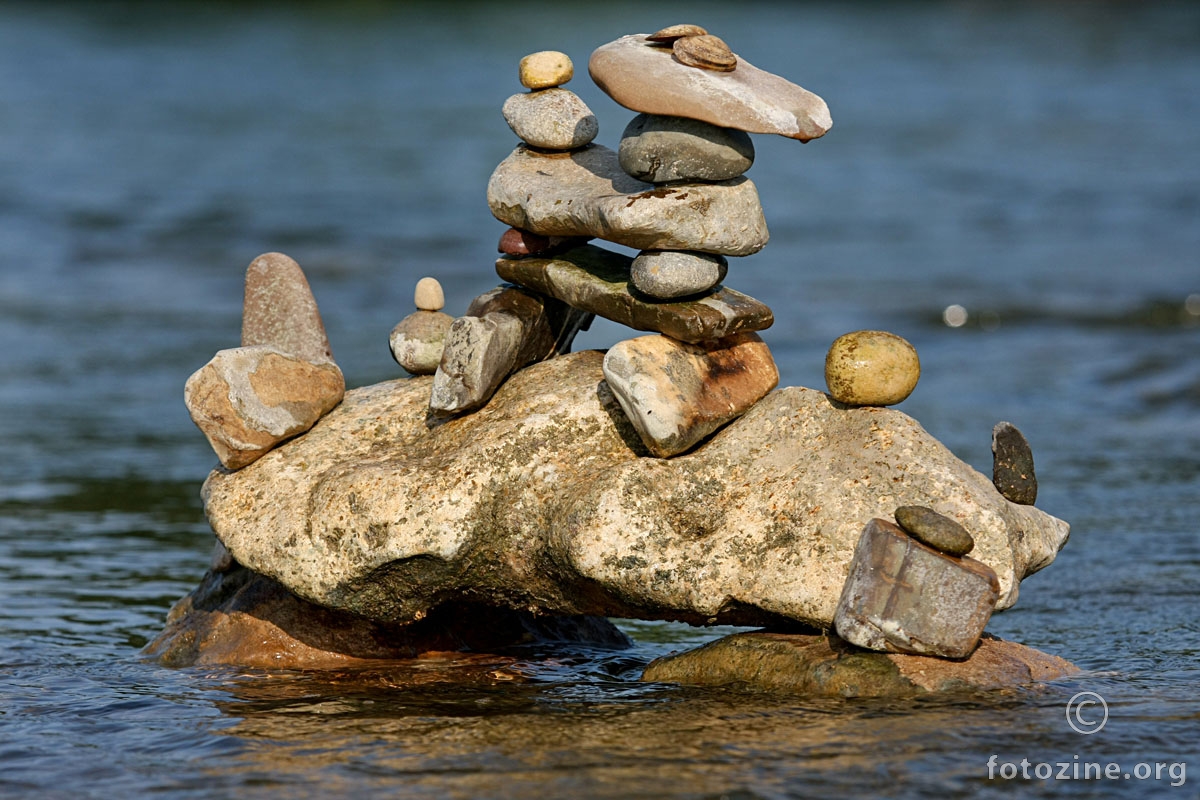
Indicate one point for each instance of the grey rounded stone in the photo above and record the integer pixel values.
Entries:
(418, 339)
(552, 119)
(1012, 465)
(939, 532)
(659, 149)
(667, 274)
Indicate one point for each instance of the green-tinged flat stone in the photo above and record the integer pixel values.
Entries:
(596, 280)
(936, 530)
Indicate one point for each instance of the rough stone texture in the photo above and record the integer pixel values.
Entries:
(554, 119)
(541, 499)
(586, 193)
(279, 310)
(668, 274)
(597, 281)
(931, 528)
(1012, 465)
(660, 149)
(504, 329)
(819, 665)
(871, 368)
(428, 296)
(644, 77)
(676, 394)
(239, 618)
(249, 399)
(545, 69)
(417, 341)
(904, 597)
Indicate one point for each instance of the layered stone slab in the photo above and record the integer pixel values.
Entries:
(643, 76)
(597, 280)
(676, 394)
(586, 193)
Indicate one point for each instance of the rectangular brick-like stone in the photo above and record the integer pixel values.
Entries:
(904, 597)
(596, 280)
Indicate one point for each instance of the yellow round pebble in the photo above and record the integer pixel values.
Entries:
(546, 69)
(429, 296)
(871, 368)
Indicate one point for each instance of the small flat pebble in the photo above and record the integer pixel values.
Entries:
(546, 69)
(936, 530)
(428, 295)
(1012, 465)
(668, 274)
(417, 341)
(871, 368)
(552, 119)
(660, 149)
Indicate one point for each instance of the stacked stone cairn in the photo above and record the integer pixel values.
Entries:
(676, 191)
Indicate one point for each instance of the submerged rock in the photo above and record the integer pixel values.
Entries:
(824, 665)
(240, 618)
(544, 500)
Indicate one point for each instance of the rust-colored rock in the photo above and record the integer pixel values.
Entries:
(676, 394)
(824, 665)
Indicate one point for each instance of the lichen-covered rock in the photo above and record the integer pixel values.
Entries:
(544, 499)
(820, 665)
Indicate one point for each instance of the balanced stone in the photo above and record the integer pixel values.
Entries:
(660, 149)
(903, 597)
(871, 368)
(504, 329)
(597, 281)
(417, 341)
(428, 296)
(676, 394)
(553, 119)
(546, 69)
(646, 77)
(279, 309)
(586, 193)
(544, 499)
(249, 399)
(936, 530)
(1012, 465)
(516, 242)
(667, 274)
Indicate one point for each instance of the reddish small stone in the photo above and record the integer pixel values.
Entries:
(516, 242)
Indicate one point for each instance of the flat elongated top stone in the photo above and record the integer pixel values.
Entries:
(586, 193)
(596, 280)
(280, 311)
(646, 77)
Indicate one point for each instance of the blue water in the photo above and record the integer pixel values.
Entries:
(1036, 163)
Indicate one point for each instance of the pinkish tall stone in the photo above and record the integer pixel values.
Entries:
(280, 310)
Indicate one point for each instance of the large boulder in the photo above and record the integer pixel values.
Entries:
(546, 500)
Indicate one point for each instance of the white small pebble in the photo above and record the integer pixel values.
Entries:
(429, 295)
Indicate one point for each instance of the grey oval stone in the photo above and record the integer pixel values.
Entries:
(552, 119)
(660, 149)
(417, 341)
(667, 274)
(1012, 465)
(939, 532)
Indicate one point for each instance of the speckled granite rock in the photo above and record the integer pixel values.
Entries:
(586, 193)
(543, 500)
(817, 665)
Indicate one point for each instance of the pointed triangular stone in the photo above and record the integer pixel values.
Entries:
(280, 311)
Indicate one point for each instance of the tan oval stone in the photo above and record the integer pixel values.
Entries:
(669, 34)
(871, 368)
(546, 69)
(429, 295)
(705, 52)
